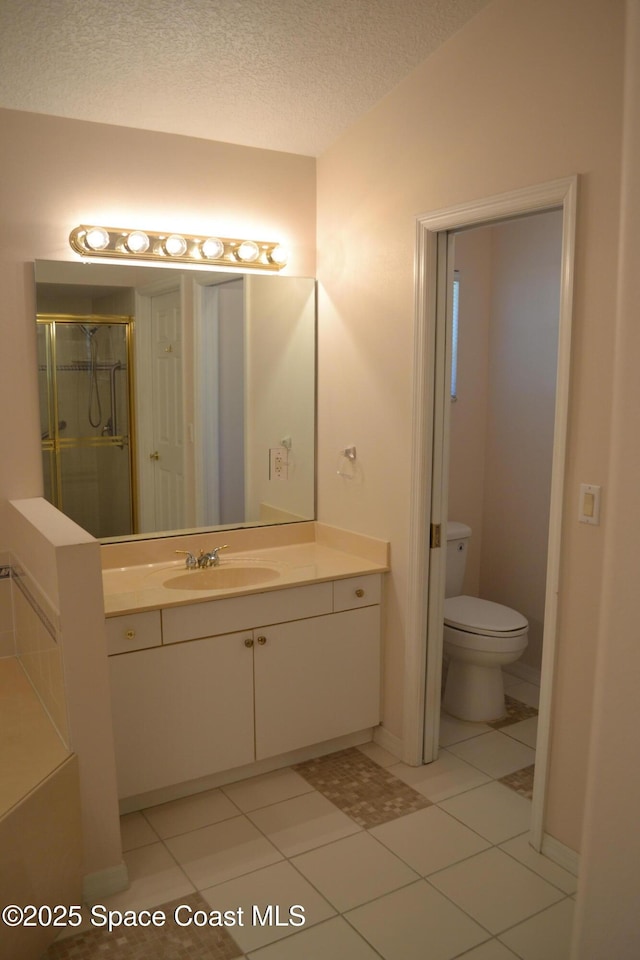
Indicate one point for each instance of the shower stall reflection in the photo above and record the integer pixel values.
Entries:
(84, 367)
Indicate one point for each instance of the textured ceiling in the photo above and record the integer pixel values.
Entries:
(287, 75)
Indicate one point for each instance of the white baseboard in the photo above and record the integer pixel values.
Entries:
(97, 886)
(524, 672)
(388, 741)
(564, 856)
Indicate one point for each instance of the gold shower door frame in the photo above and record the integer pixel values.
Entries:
(54, 444)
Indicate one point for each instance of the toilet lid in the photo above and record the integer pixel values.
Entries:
(482, 616)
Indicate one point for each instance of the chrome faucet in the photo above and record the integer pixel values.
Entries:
(209, 558)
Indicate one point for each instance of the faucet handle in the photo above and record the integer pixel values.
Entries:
(211, 558)
(191, 561)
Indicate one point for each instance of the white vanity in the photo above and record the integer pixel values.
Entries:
(214, 677)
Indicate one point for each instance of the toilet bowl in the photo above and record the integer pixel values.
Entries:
(479, 638)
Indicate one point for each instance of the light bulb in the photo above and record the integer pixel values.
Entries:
(137, 242)
(279, 255)
(96, 238)
(175, 245)
(212, 248)
(248, 251)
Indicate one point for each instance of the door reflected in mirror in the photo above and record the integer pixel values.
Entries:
(175, 400)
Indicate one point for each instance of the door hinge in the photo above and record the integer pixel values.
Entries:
(435, 536)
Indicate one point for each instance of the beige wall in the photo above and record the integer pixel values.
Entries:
(528, 92)
(607, 921)
(58, 173)
(280, 395)
(468, 415)
(523, 350)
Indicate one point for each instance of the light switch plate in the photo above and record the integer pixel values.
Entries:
(589, 507)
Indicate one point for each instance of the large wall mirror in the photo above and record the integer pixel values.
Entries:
(175, 400)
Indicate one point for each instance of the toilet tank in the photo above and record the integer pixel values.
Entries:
(458, 536)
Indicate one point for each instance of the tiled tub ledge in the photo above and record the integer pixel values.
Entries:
(30, 746)
(40, 830)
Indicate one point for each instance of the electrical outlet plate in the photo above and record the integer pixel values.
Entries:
(278, 463)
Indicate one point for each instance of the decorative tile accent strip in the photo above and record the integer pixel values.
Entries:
(366, 792)
(521, 781)
(516, 711)
(169, 942)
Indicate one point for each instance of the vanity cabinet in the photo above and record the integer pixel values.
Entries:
(182, 711)
(209, 698)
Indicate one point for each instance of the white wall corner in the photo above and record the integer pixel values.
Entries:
(564, 856)
(388, 741)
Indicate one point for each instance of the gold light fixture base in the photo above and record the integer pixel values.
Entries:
(98, 241)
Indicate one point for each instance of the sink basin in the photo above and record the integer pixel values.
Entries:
(221, 578)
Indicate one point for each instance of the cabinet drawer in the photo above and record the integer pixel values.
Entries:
(214, 617)
(356, 592)
(133, 631)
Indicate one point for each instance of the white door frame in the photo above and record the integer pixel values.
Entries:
(206, 417)
(424, 652)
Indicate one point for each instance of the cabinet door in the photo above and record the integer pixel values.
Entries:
(181, 712)
(316, 679)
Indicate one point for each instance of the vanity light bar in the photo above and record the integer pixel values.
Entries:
(94, 241)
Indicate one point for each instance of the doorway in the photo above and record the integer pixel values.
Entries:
(432, 403)
(160, 336)
(167, 439)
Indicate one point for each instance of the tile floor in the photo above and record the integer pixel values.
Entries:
(387, 861)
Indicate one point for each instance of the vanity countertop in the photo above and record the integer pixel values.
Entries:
(249, 565)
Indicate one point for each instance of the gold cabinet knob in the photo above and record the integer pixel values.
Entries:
(248, 642)
(262, 641)
(130, 634)
(154, 456)
(359, 592)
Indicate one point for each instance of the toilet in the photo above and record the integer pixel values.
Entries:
(480, 637)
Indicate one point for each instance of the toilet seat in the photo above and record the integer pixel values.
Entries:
(473, 615)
